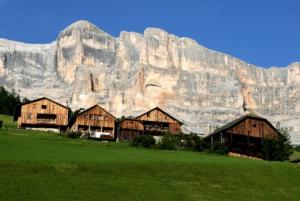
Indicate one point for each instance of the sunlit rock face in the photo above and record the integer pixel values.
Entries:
(135, 72)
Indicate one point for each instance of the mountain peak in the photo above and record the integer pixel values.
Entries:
(82, 26)
(136, 72)
(81, 23)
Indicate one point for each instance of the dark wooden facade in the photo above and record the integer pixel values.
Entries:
(130, 128)
(95, 119)
(42, 113)
(245, 134)
(157, 122)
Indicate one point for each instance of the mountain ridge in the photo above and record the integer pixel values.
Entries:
(82, 23)
(134, 72)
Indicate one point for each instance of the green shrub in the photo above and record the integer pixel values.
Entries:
(188, 142)
(168, 142)
(219, 148)
(202, 145)
(146, 141)
(277, 150)
(270, 150)
(73, 134)
(8, 101)
(192, 142)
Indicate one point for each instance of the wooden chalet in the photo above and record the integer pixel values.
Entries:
(42, 113)
(130, 128)
(245, 134)
(95, 119)
(158, 122)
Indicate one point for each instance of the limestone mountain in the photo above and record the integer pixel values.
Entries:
(134, 72)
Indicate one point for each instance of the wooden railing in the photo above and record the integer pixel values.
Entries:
(150, 128)
(47, 121)
(29, 118)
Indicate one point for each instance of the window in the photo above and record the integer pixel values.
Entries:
(98, 117)
(254, 125)
(46, 116)
(44, 106)
(165, 125)
(28, 115)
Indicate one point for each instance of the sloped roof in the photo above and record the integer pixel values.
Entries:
(239, 120)
(157, 108)
(99, 107)
(35, 100)
(17, 110)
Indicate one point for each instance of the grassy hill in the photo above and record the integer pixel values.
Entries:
(45, 166)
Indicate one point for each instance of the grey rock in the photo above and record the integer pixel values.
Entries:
(135, 72)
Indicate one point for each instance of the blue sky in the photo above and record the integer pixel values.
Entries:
(261, 32)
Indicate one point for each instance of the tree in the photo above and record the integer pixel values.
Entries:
(192, 142)
(278, 150)
(25, 100)
(8, 101)
(146, 141)
(76, 112)
(169, 142)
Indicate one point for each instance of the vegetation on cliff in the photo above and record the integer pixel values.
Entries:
(8, 101)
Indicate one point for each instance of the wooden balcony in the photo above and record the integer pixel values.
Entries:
(157, 128)
(46, 121)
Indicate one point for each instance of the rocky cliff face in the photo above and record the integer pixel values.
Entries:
(135, 72)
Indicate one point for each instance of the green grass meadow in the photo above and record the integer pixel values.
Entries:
(45, 166)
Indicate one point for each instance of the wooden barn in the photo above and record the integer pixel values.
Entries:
(95, 119)
(130, 128)
(42, 113)
(157, 122)
(245, 134)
